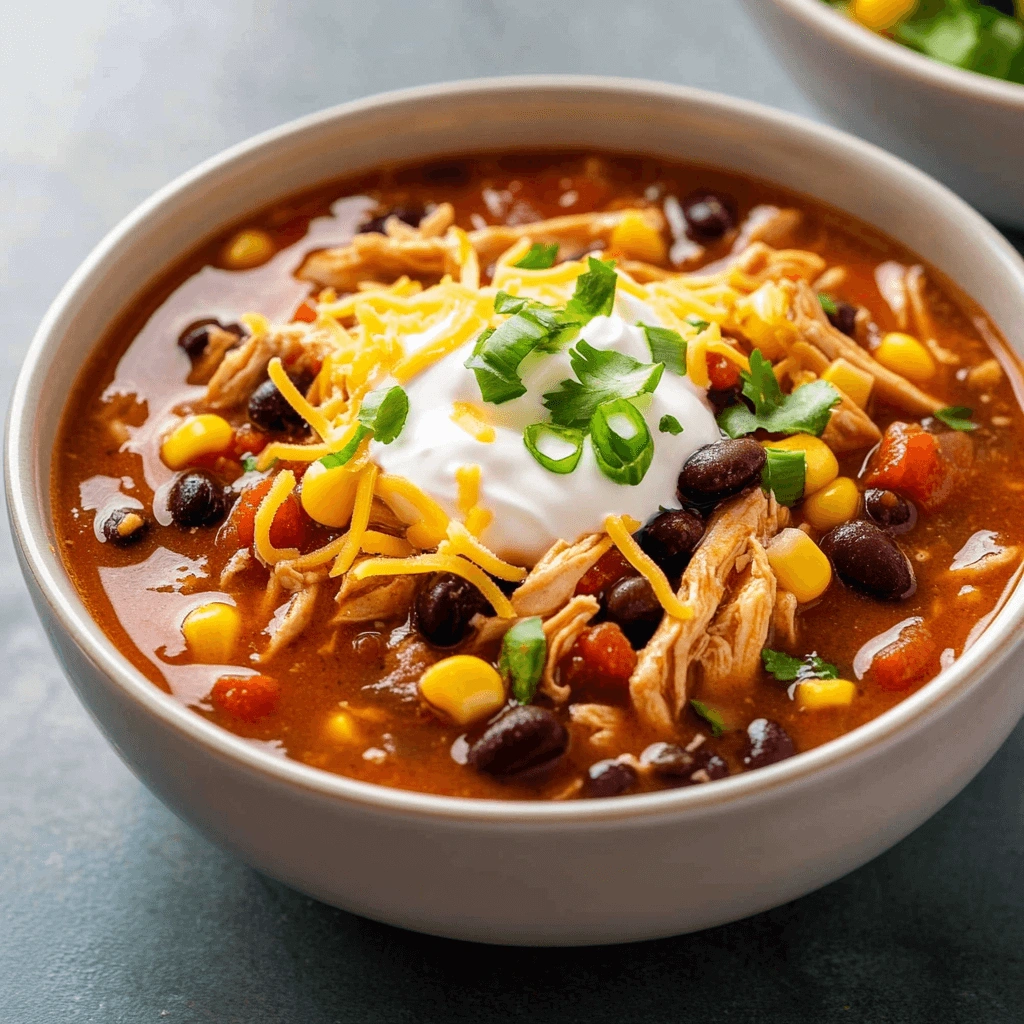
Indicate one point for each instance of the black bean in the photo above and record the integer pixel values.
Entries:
(407, 214)
(715, 767)
(708, 215)
(631, 603)
(844, 318)
(670, 537)
(674, 766)
(196, 499)
(720, 470)
(868, 559)
(125, 526)
(445, 608)
(889, 510)
(722, 398)
(269, 410)
(767, 742)
(608, 778)
(196, 337)
(526, 739)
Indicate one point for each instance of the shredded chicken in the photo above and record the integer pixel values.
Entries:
(784, 618)
(769, 224)
(218, 343)
(297, 617)
(562, 630)
(605, 721)
(386, 598)
(659, 684)
(236, 565)
(553, 579)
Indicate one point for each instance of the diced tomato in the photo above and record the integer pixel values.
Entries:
(249, 440)
(611, 566)
(724, 373)
(911, 656)
(247, 698)
(306, 313)
(921, 466)
(288, 529)
(605, 653)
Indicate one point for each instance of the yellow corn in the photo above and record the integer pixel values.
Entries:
(905, 355)
(821, 464)
(211, 632)
(464, 688)
(854, 382)
(247, 249)
(799, 565)
(814, 694)
(328, 495)
(633, 236)
(193, 437)
(342, 728)
(882, 14)
(835, 503)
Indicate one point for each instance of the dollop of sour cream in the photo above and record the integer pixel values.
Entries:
(532, 506)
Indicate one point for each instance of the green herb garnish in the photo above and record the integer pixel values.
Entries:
(711, 716)
(540, 257)
(784, 475)
(805, 411)
(595, 291)
(696, 323)
(535, 435)
(668, 347)
(384, 411)
(249, 463)
(786, 668)
(957, 417)
(523, 653)
(670, 425)
(603, 375)
(623, 445)
(828, 303)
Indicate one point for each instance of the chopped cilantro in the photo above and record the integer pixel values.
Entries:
(828, 303)
(786, 668)
(595, 291)
(603, 375)
(342, 457)
(384, 411)
(784, 475)
(523, 652)
(957, 417)
(249, 463)
(805, 411)
(667, 346)
(670, 425)
(711, 716)
(695, 322)
(540, 257)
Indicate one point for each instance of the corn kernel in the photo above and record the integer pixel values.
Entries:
(835, 503)
(211, 632)
(881, 14)
(341, 727)
(854, 382)
(194, 437)
(464, 688)
(905, 355)
(814, 694)
(822, 467)
(635, 237)
(329, 494)
(248, 249)
(799, 565)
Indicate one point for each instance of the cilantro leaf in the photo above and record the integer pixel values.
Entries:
(540, 257)
(805, 411)
(957, 417)
(602, 375)
(249, 463)
(696, 323)
(384, 411)
(340, 458)
(523, 652)
(786, 668)
(667, 346)
(595, 291)
(711, 716)
(670, 425)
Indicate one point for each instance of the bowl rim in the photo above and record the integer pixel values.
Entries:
(40, 562)
(820, 16)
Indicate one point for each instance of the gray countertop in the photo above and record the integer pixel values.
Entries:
(113, 910)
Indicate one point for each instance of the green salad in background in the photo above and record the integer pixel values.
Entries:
(984, 37)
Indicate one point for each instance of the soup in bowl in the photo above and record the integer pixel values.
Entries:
(637, 501)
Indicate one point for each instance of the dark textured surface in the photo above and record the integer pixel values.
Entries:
(111, 909)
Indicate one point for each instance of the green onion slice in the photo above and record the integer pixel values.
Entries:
(667, 346)
(784, 475)
(557, 449)
(523, 653)
(622, 441)
(540, 257)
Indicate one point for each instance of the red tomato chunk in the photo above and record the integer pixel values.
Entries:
(605, 652)
(247, 698)
(910, 657)
(288, 529)
(611, 566)
(723, 373)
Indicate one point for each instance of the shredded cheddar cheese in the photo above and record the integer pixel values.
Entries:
(428, 522)
(283, 485)
(360, 520)
(461, 542)
(471, 419)
(376, 543)
(620, 529)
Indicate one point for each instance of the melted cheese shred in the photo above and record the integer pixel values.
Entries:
(360, 521)
(621, 532)
(461, 542)
(291, 394)
(439, 563)
(283, 485)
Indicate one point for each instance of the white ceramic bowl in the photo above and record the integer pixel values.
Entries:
(966, 129)
(539, 873)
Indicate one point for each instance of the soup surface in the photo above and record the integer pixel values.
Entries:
(544, 476)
